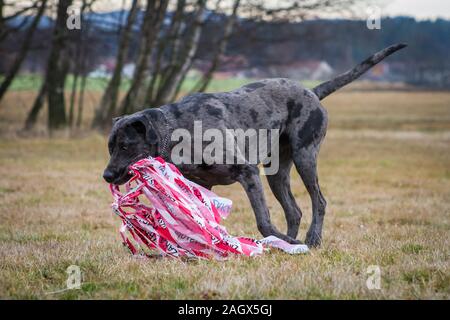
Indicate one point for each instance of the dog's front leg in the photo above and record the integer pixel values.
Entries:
(250, 180)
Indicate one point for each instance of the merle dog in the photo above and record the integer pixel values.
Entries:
(270, 104)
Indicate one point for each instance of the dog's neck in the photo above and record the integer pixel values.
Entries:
(165, 132)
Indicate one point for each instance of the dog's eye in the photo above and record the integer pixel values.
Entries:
(123, 147)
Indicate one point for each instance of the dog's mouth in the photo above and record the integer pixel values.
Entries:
(122, 178)
(124, 175)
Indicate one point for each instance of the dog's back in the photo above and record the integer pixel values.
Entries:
(264, 104)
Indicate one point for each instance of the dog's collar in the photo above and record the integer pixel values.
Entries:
(164, 152)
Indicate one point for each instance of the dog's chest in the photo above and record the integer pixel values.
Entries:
(207, 175)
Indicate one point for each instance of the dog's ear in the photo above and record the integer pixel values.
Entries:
(143, 127)
(114, 120)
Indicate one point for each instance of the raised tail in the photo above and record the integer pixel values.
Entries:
(328, 87)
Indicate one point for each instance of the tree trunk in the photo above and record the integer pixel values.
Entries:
(4, 30)
(77, 66)
(84, 42)
(23, 50)
(221, 48)
(2, 5)
(72, 98)
(81, 101)
(154, 15)
(37, 106)
(57, 70)
(184, 62)
(108, 103)
(165, 41)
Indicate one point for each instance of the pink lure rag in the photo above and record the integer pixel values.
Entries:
(162, 210)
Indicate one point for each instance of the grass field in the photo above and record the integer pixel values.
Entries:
(384, 169)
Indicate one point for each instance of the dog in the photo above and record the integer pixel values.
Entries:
(280, 104)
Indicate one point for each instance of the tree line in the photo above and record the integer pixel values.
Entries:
(163, 37)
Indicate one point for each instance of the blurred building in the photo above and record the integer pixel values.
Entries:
(302, 70)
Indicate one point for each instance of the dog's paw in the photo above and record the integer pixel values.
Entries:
(293, 241)
(289, 239)
(313, 240)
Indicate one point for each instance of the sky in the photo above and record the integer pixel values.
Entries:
(420, 9)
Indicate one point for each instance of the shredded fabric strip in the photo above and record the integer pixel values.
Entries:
(163, 212)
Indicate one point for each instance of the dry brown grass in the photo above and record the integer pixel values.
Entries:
(384, 170)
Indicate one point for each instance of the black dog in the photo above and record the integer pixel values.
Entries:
(269, 104)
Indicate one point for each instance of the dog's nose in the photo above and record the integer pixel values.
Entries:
(108, 175)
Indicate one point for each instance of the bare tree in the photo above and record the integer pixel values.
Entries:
(77, 64)
(19, 8)
(108, 103)
(153, 17)
(183, 62)
(23, 49)
(36, 108)
(85, 42)
(295, 10)
(168, 41)
(81, 92)
(57, 69)
(2, 6)
(221, 48)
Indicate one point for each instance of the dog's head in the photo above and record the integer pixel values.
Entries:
(132, 138)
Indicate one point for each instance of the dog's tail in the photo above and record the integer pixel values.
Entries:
(328, 87)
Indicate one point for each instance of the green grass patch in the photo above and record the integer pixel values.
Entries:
(26, 82)
(419, 276)
(412, 248)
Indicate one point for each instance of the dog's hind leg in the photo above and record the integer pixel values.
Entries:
(280, 185)
(305, 161)
(305, 142)
(250, 180)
